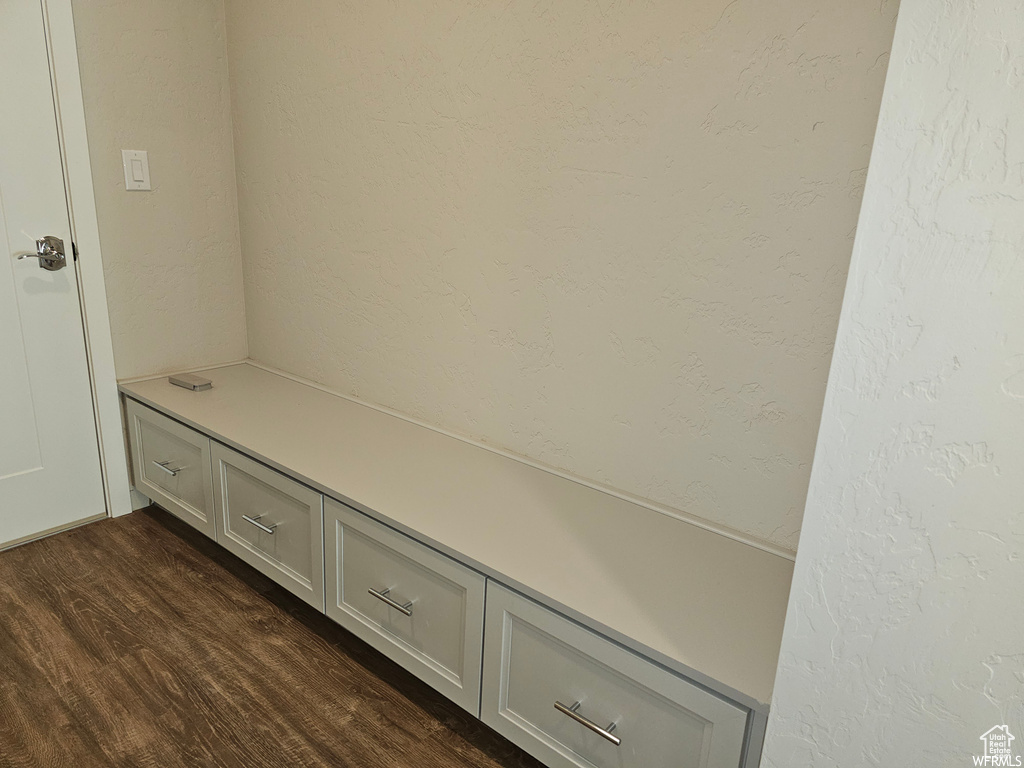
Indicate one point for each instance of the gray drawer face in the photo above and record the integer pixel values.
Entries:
(287, 542)
(437, 604)
(535, 658)
(271, 522)
(182, 475)
(440, 640)
(172, 465)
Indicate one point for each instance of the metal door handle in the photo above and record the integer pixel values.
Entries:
(50, 252)
(163, 465)
(573, 712)
(261, 526)
(383, 596)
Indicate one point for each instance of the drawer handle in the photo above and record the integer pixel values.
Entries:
(163, 465)
(256, 521)
(383, 597)
(604, 733)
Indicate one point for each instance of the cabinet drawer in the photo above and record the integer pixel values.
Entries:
(417, 606)
(171, 465)
(551, 685)
(272, 522)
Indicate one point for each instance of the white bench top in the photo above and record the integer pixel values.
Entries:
(698, 602)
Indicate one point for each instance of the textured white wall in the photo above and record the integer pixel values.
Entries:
(154, 77)
(904, 640)
(609, 236)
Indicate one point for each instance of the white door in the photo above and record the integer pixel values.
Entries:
(49, 456)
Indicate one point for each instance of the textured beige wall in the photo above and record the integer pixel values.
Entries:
(903, 641)
(609, 236)
(154, 77)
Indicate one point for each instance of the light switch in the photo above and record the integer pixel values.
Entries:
(136, 169)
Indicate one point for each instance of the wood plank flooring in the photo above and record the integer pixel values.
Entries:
(138, 642)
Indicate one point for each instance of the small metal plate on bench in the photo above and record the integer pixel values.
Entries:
(189, 381)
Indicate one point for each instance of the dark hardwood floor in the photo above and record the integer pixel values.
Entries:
(138, 642)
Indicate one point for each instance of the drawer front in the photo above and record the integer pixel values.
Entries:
(535, 658)
(272, 522)
(171, 465)
(426, 611)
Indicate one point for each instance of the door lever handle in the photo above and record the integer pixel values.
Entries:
(50, 252)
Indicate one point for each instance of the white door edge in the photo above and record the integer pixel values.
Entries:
(70, 109)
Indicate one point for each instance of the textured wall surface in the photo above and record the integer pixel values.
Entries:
(154, 77)
(609, 236)
(904, 640)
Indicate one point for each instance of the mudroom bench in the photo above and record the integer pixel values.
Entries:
(587, 629)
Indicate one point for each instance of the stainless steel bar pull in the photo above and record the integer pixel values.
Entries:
(163, 465)
(383, 597)
(573, 712)
(256, 521)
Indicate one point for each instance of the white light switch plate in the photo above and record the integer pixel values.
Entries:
(136, 169)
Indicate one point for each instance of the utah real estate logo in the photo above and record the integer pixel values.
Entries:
(998, 749)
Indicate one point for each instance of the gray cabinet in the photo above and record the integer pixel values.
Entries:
(574, 699)
(272, 522)
(422, 609)
(171, 465)
(610, 664)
